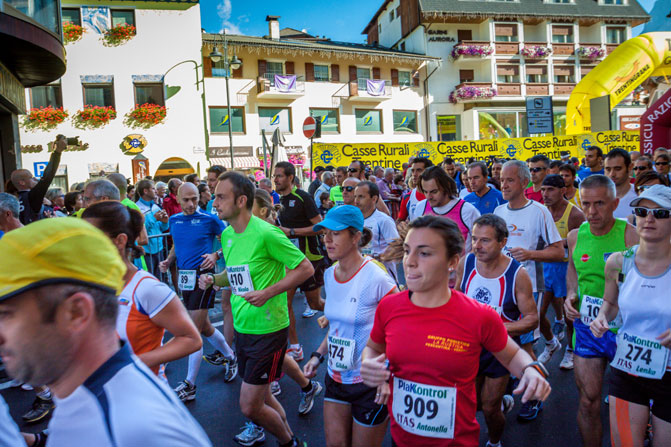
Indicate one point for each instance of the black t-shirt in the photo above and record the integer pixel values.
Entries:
(298, 208)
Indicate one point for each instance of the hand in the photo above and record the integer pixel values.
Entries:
(161, 216)
(61, 144)
(599, 326)
(323, 322)
(311, 367)
(286, 230)
(520, 254)
(570, 310)
(205, 281)
(210, 260)
(382, 394)
(533, 385)
(163, 266)
(257, 297)
(374, 371)
(665, 338)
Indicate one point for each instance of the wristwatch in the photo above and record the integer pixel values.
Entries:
(220, 254)
(538, 366)
(318, 355)
(292, 232)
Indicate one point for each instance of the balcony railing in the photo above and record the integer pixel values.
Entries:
(563, 49)
(373, 90)
(507, 47)
(282, 85)
(538, 89)
(610, 47)
(562, 88)
(509, 89)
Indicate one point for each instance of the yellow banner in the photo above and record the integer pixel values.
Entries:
(395, 154)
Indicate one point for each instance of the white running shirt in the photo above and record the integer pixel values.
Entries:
(123, 404)
(350, 308)
(623, 209)
(384, 231)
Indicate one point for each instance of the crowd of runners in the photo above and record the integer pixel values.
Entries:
(435, 282)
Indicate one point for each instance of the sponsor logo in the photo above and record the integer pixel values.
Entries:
(368, 120)
(225, 121)
(123, 301)
(511, 147)
(584, 258)
(483, 295)
(275, 120)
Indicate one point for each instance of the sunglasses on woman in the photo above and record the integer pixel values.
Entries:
(657, 213)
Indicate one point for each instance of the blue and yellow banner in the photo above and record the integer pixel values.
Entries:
(395, 154)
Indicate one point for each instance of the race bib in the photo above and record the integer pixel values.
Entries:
(341, 353)
(589, 310)
(424, 410)
(186, 280)
(240, 279)
(640, 356)
(296, 242)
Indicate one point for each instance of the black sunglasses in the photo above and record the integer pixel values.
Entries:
(349, 188)
(657, 213)
(661, 163)
(352, 170)
(640, 168)
(534, 170)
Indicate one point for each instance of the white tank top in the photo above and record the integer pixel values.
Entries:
(645, 303)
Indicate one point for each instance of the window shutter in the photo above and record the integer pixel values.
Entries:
(507, 70)
(309, 71)
(505, 29)
(335, 73)
(207, 67)
(376, 72)
(536, 69)
(394, 77)
(563, 70)
(289, 68)
(262, 67)
(237, 74)
(352, 73)
(466, 75)
(415, 78)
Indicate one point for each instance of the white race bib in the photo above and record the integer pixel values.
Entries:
(424, 410)
(341, 353)
(186, 280)
(296, 242)
(240, 279)
(589, 310)
(640, 356)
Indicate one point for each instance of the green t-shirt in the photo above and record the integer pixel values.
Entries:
(130, 204)
(266, 252)
(336, 195)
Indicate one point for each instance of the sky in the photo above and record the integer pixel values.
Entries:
(341, 20)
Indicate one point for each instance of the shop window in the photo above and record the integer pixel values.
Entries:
(405, 121)
(219, 119)
(271, 118)
(329, 118)
(447, 127)
(368, 121)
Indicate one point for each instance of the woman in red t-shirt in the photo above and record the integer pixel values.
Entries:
(432, 337)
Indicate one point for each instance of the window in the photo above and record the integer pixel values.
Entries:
(149, 94)
(101, 95)
(271, 118)
(507, 73)
(498, 125)
(379, 28)
(505, 32)
(218, 70)
(616, 34)
(46, 96)
(561, 1)
(391, 15)
(402, 46)
(405, 121)
(275, 68)
(404, 78)
(448, 127)
(562, 34)
(466, 76)
(219, 119)
(321, 73)
(368, 121)
(362, 73)
(613, 2)
(71, 15)
(122, 17)
(537, 74)
(329, 118)
(564, 74)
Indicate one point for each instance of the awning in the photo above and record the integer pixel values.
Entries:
(240, 162)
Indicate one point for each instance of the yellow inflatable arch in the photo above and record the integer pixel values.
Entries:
(631, 63)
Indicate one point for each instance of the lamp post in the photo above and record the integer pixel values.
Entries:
(233, 64)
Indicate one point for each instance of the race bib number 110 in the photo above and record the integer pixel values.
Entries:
(424, 410)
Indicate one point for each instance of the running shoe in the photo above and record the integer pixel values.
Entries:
(530, 410)
(296, 353)
(186, 391)
(567, 361)
(250, 435)
(231, 369)
(27, 387)
(507, 404)
(559, 329)
(216, 358)
(550, 349)
(275, 388)
(308, 312)
(40, 409)
(308, 399)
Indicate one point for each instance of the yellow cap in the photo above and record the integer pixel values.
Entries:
(56, 251)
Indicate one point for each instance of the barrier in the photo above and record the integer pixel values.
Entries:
(395, 154)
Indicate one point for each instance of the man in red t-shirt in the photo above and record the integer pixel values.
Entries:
(411, 198)
(170, 203)
(538, 166)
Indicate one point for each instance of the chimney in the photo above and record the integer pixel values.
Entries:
(273, 27)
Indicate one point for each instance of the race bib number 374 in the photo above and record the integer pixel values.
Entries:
(424, 410)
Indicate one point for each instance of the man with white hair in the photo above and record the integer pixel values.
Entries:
(99, 191)
(267, 185)
(385, 185)
(161, 188)
(328, 181)
(9, 213)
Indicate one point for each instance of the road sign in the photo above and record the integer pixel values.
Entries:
(309, 127)
(540, 118)
(39, 167)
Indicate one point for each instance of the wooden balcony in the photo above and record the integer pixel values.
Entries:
(471, 57)
(563, 88)
(509, 89)
(507, 47)
(486, 87)
(538, 89)
(563, 49)
(610, 47)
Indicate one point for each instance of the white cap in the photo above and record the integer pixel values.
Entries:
(659, 194)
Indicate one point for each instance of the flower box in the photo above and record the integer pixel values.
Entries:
(118, 35)
(93, 117)
(470, 92)
(145, 116)
(44, 118)
(71, 32)
(536, 52)
(470, 50)
(590, 53)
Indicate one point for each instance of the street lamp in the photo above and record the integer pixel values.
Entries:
(233, 64)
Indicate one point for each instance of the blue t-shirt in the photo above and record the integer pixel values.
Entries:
(276, 197)
(194, 237)
(487, 203)
(585, 172)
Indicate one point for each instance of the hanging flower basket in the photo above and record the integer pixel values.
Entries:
(93, 117)
(590, 53)
(536, 52)
(470, 50)
(118, 35)
(470, 92)
(297, 159)
(145, 116)
(71, 32)
(44, 118)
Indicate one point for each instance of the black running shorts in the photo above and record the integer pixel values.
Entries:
(641, 391)
(317, 279)
(360, 397)
(261, 356)
(198, 298)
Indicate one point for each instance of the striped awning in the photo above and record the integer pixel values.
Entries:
(240, 162)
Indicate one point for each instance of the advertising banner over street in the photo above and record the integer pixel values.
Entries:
(395, 154)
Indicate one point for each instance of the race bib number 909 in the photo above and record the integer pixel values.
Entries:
(424, 410)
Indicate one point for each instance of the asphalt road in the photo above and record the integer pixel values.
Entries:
(216, 404)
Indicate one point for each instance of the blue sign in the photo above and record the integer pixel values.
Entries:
(39, 167)
(540, 118)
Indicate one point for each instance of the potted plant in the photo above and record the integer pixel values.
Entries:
(590, 53)
(71, 32)
(118, 35)
(145, 116)
(93, 117)
(536, 51)
(471, 50)
(44, 118)
(471, 92)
